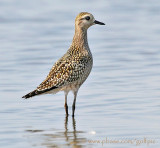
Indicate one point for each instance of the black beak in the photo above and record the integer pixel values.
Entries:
(97, 22)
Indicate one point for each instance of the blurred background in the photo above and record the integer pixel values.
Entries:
(120, 99)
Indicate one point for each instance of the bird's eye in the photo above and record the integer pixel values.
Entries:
(87, 18)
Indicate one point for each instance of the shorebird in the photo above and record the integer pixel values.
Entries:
(72, 69)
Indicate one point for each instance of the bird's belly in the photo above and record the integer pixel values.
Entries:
(73, 86)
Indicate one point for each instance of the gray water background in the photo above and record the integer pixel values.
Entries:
(120, 99)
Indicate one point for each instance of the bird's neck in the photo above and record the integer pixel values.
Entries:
(80, 41)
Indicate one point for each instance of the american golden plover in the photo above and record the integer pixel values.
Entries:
(71, 70)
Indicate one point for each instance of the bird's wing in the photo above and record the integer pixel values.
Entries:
(66, 70)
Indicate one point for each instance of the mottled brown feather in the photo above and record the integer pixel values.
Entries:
(70, 71)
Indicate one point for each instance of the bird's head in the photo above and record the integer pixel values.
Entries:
(84, 20)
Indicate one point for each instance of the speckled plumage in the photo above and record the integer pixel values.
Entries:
(73, 67)
(71, 70)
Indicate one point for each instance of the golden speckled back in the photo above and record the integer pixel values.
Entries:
(74, 66)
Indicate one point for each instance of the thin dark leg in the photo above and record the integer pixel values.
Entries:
(65, 105)
(74, 103)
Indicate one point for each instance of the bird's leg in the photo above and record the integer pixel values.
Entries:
(65, 105)
(74, 103)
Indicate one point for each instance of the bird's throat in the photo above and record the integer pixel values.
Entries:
(80, 38)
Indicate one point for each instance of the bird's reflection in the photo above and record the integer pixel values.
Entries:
(67, 138)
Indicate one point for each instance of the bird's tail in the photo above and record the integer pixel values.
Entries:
(38, 92)
(31, 94)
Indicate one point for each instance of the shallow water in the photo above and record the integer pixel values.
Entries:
(120, 101)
